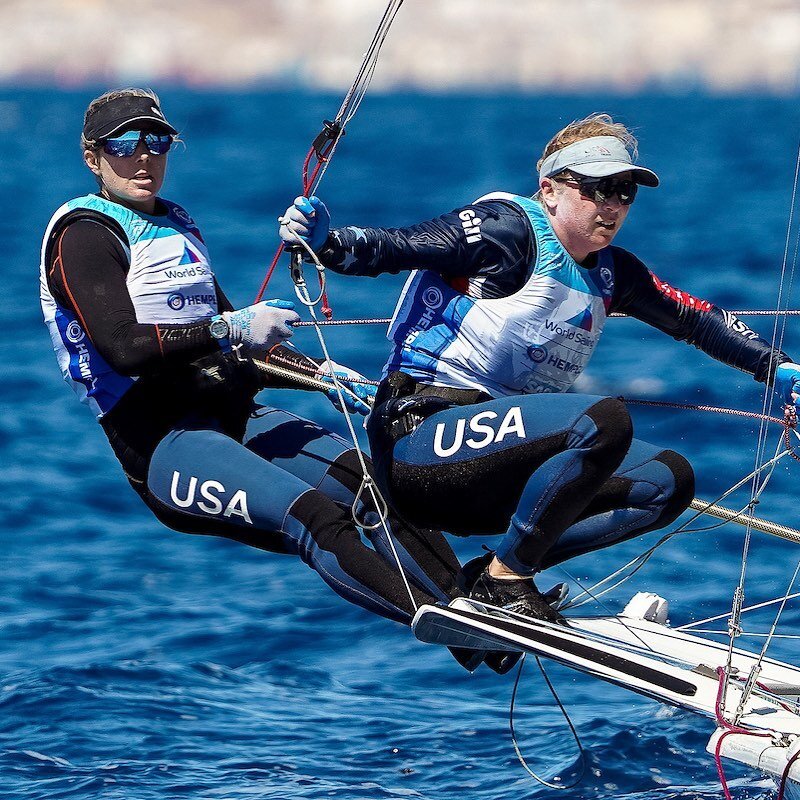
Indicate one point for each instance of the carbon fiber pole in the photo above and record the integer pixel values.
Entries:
(742, 518)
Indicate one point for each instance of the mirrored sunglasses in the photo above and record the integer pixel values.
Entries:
(602, 189)
(125, 145)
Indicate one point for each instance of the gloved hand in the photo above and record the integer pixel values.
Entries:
(364, 392)
(307, 219)
(787, 383)
(261, 326)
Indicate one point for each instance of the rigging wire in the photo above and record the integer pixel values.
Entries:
(779, 330)
(754, 672)
(745, 610)
(639, 561)
(564, 713)
(324, 145)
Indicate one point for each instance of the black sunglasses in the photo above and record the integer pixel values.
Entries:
(602, 189)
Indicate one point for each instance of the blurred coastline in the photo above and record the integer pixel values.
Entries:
(435, 45)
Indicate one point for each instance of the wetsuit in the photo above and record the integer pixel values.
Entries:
(471, 430)
(127, 298)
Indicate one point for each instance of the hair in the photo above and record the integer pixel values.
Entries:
(88, 144)
(594, 125)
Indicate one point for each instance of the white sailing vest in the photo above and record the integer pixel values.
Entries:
(169, 280)
(538, 339)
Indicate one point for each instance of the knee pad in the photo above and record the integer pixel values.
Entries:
(614, 426)
(683, 493)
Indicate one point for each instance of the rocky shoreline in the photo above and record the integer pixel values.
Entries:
(438, 45)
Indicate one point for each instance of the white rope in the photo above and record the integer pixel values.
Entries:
(367, 483)
(637, 562)
(746, 610)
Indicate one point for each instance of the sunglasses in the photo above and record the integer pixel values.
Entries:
(124, 146)
(602, 189)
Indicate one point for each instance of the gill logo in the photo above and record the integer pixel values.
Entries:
(212, 493)
(471, 223)
(512, 423)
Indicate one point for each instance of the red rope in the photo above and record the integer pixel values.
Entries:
(730, 730)
(785, 776)
(308, 182)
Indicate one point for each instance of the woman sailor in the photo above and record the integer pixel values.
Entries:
(471, 431)
(147, 339)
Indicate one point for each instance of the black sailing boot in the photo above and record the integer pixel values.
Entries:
(502, 662)
(519, 595)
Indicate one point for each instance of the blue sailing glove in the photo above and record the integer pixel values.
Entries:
(258, 327)
(308, 219)
(358, 397)
(787, 383)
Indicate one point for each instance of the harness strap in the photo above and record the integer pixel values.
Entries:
(403, 403)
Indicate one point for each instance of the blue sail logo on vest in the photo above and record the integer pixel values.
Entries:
(192, 263)
(189, 256)
(512, 423)
(582, 320)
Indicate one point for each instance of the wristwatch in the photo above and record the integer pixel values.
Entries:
(221, 331)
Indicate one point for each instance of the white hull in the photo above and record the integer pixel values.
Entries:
(645, 657)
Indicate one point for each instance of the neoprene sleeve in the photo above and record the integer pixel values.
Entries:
(496, 263)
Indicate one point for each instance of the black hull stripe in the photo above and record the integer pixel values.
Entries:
(588, 653)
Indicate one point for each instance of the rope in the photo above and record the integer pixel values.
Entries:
(367, 483)
(388, 320)
(785, 776)
(566, 716)
(713, 409)
(325, 143)
(778, 332)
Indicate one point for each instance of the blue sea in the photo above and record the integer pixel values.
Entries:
(138, 663)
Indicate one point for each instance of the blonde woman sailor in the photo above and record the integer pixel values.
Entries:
(472, 430)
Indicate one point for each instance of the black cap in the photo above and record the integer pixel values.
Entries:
(122, 112)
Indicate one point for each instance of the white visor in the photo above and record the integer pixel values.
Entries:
(596, 157)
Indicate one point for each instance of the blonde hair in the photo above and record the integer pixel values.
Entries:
(114, 94)
(593, 125)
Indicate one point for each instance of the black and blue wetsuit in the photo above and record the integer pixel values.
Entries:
(181, 419)
(471, 431)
